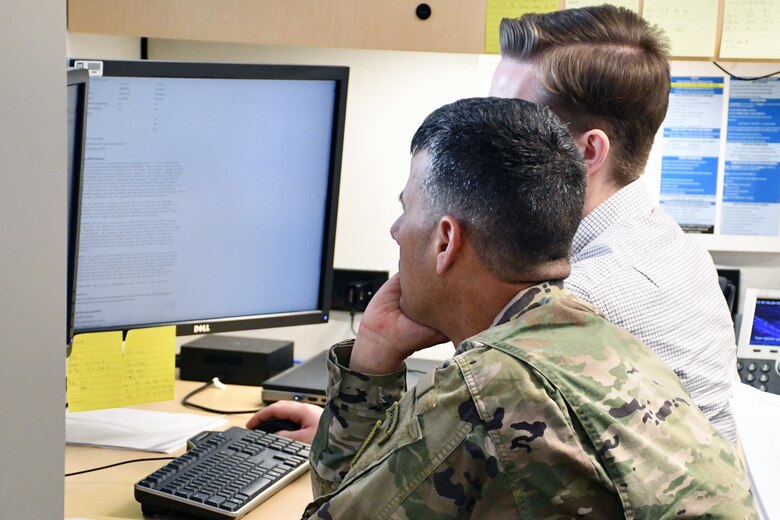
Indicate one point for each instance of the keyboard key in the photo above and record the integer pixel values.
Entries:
(256, 487)
(200, 497)
(216, 500)
(229, 505)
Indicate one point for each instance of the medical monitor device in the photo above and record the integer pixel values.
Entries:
(77, 81)
(758, 348)
(209, 195)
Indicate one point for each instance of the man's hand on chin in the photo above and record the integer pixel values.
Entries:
(387, 336)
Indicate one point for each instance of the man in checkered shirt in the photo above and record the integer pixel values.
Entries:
(605, 72)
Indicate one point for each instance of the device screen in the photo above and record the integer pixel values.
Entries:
(766, 323)
(202, 199)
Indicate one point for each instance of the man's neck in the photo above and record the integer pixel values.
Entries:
(596, 194)
(476, 309)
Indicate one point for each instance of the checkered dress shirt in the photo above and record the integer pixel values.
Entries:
(634, 263)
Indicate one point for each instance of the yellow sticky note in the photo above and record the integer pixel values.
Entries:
(95, 371)
(750, 29)
(105, 372)
(690, 25)
(149, 365)
(498, 9)
(628, 4)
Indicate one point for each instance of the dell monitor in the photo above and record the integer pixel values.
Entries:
(77, 81)
(209, 195)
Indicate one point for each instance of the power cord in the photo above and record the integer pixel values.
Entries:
(352, 313)
(744, 78)
(117, 464)
(214, 382)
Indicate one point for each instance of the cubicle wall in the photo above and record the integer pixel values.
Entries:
(32, 263)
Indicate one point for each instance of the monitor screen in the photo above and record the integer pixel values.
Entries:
(209, 195)
(77, 81)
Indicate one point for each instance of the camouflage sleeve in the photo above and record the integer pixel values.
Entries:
(431, 457)
(355, 403)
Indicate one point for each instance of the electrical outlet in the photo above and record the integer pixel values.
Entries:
(353, 289)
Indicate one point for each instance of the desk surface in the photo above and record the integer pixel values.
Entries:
(108, 494)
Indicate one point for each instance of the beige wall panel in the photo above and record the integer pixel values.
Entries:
(454, 25)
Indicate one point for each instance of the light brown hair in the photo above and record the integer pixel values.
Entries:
(599, 67)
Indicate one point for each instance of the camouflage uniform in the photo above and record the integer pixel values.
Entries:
(552, 413)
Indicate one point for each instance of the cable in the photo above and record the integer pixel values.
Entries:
(117, 464)
(352, 321)
(743, 78)
(214, 382)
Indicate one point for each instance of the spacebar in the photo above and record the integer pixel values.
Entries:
(256, 487)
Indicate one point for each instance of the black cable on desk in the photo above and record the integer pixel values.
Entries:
(117, 464)
(213, 382)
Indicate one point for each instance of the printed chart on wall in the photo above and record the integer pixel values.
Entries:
(751, 191)
(719, 163)
(689, 167)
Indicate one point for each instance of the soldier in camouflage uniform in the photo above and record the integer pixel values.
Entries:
(546, 410)
(553, 413)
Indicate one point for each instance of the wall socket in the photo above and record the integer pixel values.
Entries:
(353, 289)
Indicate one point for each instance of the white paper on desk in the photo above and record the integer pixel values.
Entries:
(133, 429)
(757, 415)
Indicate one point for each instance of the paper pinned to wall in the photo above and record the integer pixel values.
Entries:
(750, 29)
(691, 25)
(691, 152)
(105, 372)
(628, 4)
(498, 9)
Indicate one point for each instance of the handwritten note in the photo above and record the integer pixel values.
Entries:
(628, 4)
(105, 372)
(95, 371)
(691, 25)
(149, 358)
(750, 29)
(498, 9)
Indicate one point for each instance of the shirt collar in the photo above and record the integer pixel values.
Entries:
(629, 200)
(528, 299)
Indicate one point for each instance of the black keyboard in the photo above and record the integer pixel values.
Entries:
(223, 475)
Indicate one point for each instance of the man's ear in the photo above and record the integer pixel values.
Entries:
(595, 147)
(448, 243)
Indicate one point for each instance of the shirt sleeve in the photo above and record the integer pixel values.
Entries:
(355, 403)
(431, 457)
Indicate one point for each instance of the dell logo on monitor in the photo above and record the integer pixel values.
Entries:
(198, 329)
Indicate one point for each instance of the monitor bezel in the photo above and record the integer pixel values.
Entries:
(78, 78)
(249, 71)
